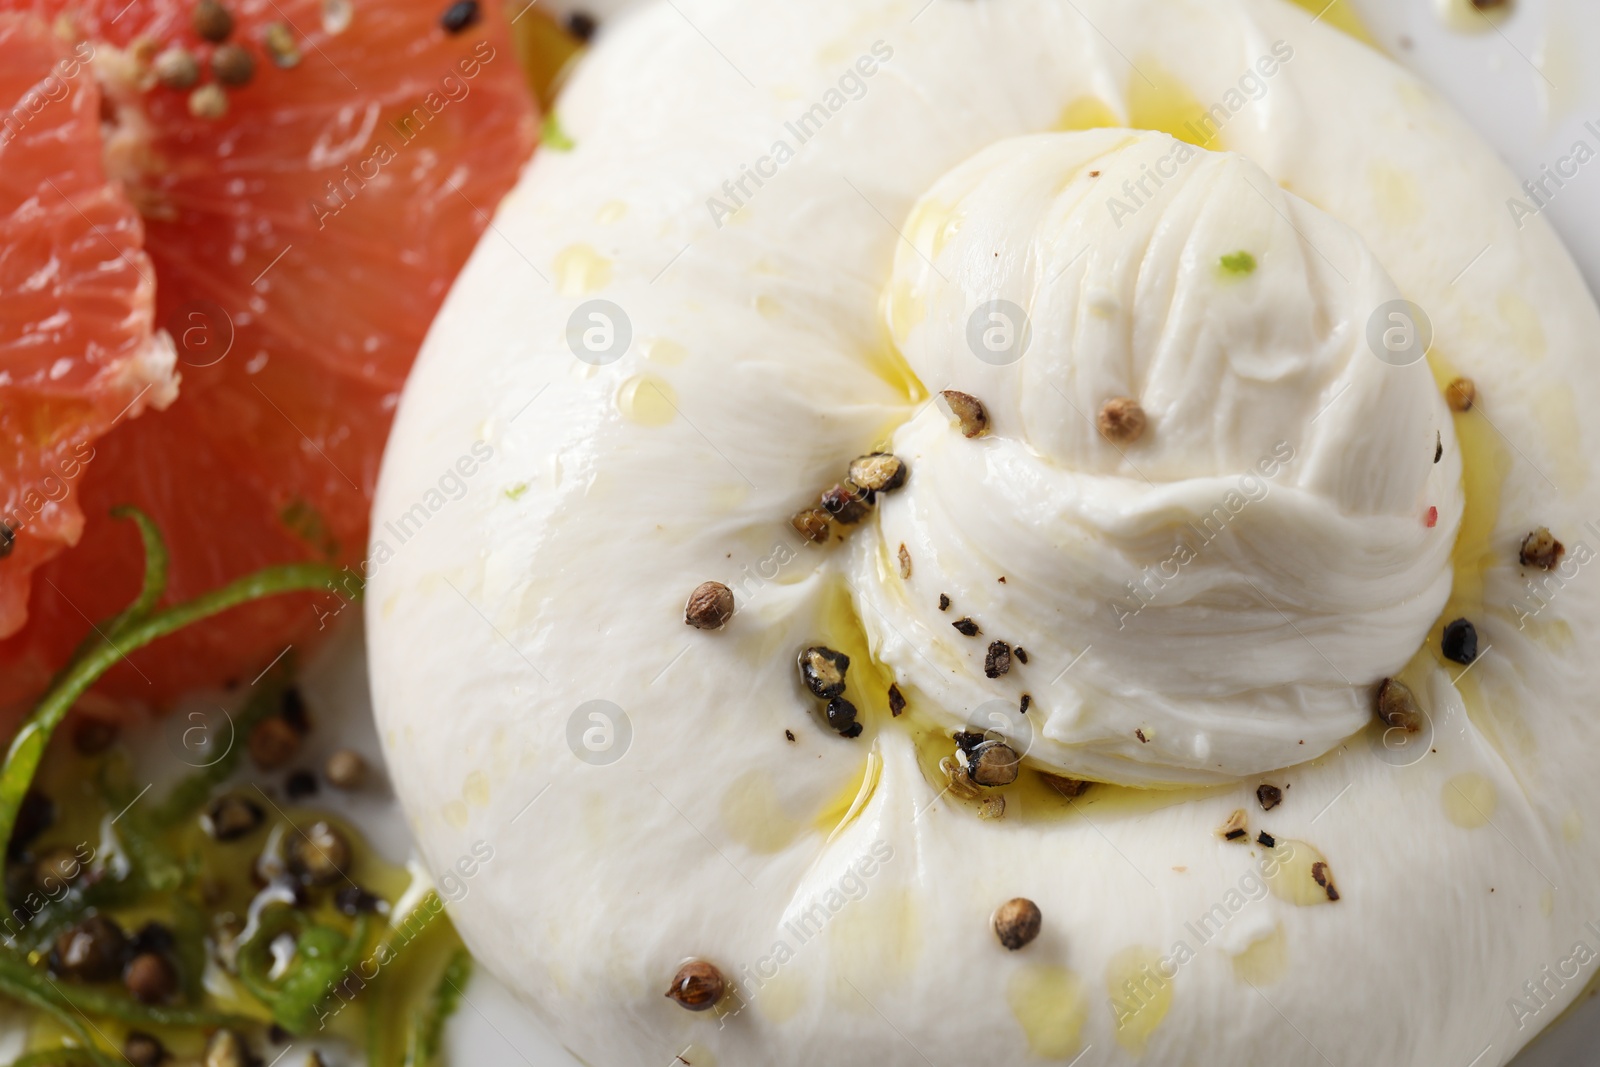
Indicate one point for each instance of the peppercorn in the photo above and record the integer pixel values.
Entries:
(1017, 922)
(208, 102)
(697, 986)
(1460, 641)
(300, 784)
(1461, 394)
(352, 900)
(1266, 840)
(273, 743)
(292, 710)
(845, 505)
(1397, 706)
(582, 26)
(1021, 654)
(897, 700)
(150, 978)
(993, 764)
(1270, 796)
(998, 659)
(280, 45)
(823, 670)
(878, 472)
(152, 937)
(966, 627)
(710, 606)
(944, 602)
(91, 950)
(345, 769)
(459, 16)
(812, 524)
(1121, 420)
(212, 21)
(1541, 549)
(142, 1050)
(176, 68)
(968, 411)
(318, 855)
(842, 717)
(231, 817)
(233, 65)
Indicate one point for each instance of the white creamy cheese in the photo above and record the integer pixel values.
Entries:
(792, 213)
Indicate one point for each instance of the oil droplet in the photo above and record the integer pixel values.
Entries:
(1049, 1003)
(1572, 826)
(908, 306)
(611, 211)
(475, 790)
(1470, 800)
(1527, 332)
(1087, 113)
(1265, 961)
(754, 816)
(1289, 874)
(580, 270)
(1547, 903)
(667, 353)
(1141, 994)
(1164, 103)
(931, 226)
(875, 939)
(455, 814)
(647, 401)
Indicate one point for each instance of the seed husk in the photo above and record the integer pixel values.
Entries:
(459, 16)
(968, 411)
(955, 776)
(1025, 703)
(1121, 420)
(998, 659)
(697, 986)
(1021, 654)
(1017, 922)
(1541, 549)
(227, 1049)
(212, 21)
(176, 68)
(1438, 446)
(993, 807)
(993, 764)
(878, 472)
(345, 769)
(843, 504)
(842, 717)
(1397, 706)
(1461, 394)
(966, 627)
(1460, 641)
(90, 950)
(944, 602)
(905, 562)
(710, 606)
(231, 817)
(150, 978)
(319, 855)
(208, 102)
(1071, 788)
(812, 524)
(142, 1050)
(233, 65)
(273, 743)
(1270, 796)
(281, 48)
(1237, 828)
(1324, 877)
(1266, 840)
(823, 670)
(897, 700)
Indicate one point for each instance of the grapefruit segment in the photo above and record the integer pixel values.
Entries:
(301, 243)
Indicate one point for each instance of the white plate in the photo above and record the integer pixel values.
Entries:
(1522, 83)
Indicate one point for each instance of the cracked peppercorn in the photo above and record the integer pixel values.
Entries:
(1017, 922)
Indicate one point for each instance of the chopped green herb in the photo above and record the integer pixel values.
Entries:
(516, 491)
(1238, 262)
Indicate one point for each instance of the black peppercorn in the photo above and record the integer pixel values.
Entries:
(1460, 641)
